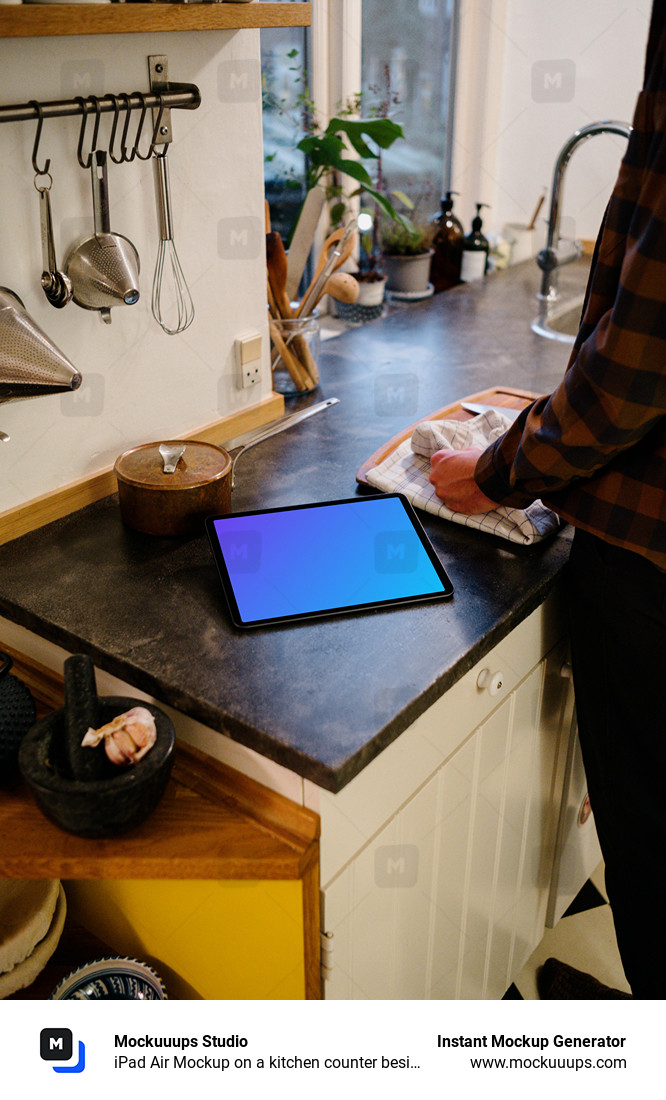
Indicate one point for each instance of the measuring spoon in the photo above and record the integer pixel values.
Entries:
(56, 285)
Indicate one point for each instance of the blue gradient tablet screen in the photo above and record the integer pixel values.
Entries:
(319, 559)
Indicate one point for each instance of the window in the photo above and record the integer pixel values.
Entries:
(407, 50)
(284, 53)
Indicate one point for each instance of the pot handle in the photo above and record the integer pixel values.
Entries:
(6, 664)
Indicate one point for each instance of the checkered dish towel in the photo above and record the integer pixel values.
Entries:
(407, 469)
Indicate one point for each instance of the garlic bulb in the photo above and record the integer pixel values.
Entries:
(127, 738)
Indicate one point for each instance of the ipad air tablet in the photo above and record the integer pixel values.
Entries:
(313, 560)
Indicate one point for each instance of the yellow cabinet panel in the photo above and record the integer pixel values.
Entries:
(207, 939)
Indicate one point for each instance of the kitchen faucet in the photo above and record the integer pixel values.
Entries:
(559, 252)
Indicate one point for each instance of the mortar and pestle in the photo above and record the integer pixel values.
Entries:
(79, 789)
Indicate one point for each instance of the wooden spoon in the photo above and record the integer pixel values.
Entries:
(343, 287)
(337, 248)
(276, 263)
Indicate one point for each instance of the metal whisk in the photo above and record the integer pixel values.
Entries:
(178, 298)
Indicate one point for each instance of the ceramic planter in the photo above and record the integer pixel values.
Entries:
(408, 274)
(371, 293)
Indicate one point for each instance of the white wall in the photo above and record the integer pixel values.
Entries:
(138, 383)
(532, 72)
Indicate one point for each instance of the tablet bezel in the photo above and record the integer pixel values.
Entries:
(227, 585)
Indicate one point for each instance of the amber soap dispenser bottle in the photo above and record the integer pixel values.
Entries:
(448, 247)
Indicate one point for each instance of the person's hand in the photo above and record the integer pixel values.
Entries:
(453, 477)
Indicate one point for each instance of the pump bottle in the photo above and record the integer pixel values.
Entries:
(448, 244)
(475, 250)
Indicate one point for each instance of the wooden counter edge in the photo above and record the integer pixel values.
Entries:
(78, 494)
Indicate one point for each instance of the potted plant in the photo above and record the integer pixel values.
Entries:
(370, 277)
(350, 148)
(406, 252)
(327, 163)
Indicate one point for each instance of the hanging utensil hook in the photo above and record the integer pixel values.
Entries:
(129, 156)
(156, 133)
(128, 114)
(86, 163)
(40, 122)
(114, 126)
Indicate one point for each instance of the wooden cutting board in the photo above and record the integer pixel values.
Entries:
(496, 395)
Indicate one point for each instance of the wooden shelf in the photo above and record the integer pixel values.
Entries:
(43, 20)
(190, 835)
(212, 823)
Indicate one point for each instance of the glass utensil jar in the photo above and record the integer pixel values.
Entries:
(295, 343)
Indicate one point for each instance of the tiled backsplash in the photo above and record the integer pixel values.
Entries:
(138, 383)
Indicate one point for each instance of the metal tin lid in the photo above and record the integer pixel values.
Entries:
(200, 464)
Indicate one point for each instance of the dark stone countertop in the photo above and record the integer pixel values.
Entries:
(321, 698)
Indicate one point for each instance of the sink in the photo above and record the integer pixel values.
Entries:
(560, 321)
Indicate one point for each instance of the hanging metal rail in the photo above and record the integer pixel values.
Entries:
(185, 96)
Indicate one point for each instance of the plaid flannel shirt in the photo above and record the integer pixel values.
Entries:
(595, 450)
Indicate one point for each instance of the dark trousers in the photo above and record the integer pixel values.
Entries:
(617, 612)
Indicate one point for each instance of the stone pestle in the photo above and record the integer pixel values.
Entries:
(80, 714)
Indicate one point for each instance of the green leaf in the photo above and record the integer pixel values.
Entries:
(323, 149)
(383, 203)
(355, 169)
(337, 213)
(383, 131)
(404, 199)
(325, 153)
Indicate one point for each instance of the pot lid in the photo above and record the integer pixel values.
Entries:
(200, 464)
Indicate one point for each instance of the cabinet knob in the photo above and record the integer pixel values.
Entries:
(566, 671)
(490, 681)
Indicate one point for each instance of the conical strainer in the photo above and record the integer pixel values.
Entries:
(103, 269)
(30, 363)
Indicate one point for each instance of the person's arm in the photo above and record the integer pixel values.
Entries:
(614, 390)
(613, 393)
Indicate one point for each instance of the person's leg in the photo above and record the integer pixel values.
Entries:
(617, 614)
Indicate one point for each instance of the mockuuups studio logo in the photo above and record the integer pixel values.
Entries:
(240, 238)
(553, 81)
(396, 394)
(78, 77)
(238, 81)
(396, 865)
(56, 1045)
(88, 400)
(242, 551)
(395, 552)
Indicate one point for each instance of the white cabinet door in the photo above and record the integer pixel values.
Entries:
(448, 898)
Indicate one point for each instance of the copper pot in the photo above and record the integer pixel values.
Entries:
(158, 502)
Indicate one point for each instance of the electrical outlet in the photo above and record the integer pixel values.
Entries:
(248, 359)
(250, 374)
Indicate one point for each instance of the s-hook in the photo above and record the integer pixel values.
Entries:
(156, 133)
(114, 126)
(128, 157)
(40, 122)
(86, 163)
